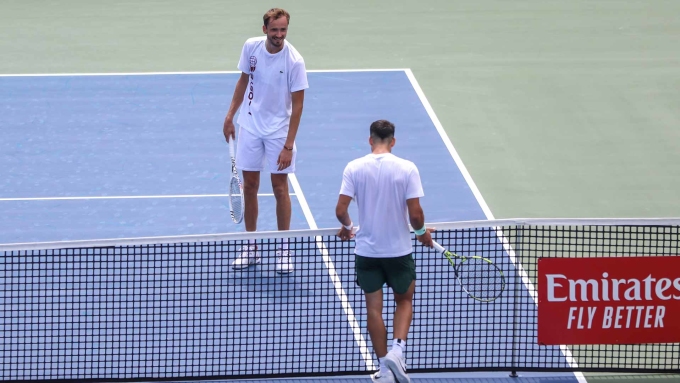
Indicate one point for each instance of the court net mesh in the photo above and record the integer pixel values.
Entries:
(173, 307)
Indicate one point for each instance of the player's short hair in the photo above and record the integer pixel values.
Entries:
(275, 14)
(382, 130)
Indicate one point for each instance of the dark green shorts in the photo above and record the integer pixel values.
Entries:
(373, 273)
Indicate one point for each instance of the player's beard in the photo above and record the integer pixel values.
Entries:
(278, 43)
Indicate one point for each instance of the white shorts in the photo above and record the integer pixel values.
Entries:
(253, 153)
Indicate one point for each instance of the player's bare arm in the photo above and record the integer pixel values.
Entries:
(417, 218)
(342, 213)
(286, 156)
(229, 129)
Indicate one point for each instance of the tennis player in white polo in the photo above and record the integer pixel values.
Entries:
(269, 96)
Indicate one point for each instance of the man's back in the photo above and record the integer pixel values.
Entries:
(381, 184)
(387, 190)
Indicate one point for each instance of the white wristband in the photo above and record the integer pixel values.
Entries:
(349, 227)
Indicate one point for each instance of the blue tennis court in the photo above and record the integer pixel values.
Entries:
(126, 156)
(121, 156)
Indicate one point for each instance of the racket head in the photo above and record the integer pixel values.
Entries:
(236, 199)
(236, 202)
(480, 278)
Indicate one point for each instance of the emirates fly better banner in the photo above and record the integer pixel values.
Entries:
(628, 300)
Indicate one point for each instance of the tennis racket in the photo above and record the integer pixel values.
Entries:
(235, 189)
(479, 277)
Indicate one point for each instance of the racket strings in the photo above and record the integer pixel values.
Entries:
(481, 279)
(236, 199)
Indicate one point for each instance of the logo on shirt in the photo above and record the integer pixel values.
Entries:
(253, 63)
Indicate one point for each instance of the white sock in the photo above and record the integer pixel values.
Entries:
(399, 347)
(284, 244)
(383, 369)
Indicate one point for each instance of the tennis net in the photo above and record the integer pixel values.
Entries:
(173, 308)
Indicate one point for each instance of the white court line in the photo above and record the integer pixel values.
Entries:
(487, 212)
(84, 198)
(346, 306)
(187, 73)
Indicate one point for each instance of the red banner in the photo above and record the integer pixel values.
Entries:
(628, 300)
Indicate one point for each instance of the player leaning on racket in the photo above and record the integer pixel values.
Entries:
(387, 190)
(272, 83)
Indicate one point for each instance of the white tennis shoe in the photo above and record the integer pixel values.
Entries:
(397, 365)
(283, 263)
(379, 378)
(248, 257)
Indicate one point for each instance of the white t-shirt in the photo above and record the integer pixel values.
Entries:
(268, 103)
(380, 184)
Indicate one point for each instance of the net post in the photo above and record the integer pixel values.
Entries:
(515, 313)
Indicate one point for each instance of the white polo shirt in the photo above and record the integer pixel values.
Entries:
(268, 104)
(380, 184)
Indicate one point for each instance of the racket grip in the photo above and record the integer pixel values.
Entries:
(438, 247)
(231, 147)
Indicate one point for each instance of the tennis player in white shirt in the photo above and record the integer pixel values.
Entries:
(269, 96)
(387, 190)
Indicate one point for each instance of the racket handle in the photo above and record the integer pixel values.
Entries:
(438, 247)
(231, 147)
